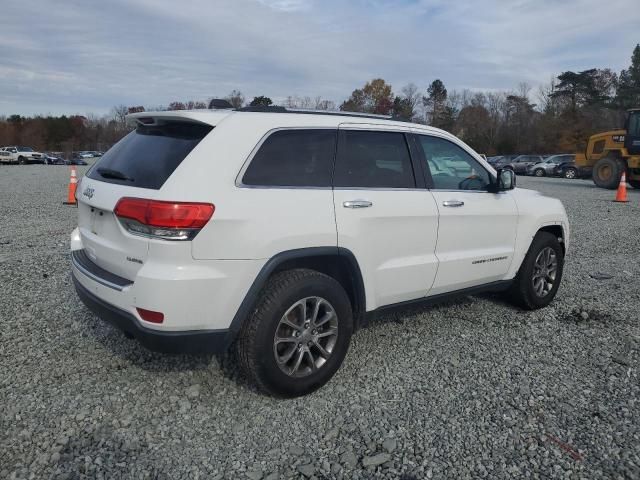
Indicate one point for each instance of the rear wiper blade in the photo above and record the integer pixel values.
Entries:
(110, 173)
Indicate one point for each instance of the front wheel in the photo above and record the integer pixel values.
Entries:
(21, 161)
(298, 334)
(607, 172)
(538, 279)
(539, 172)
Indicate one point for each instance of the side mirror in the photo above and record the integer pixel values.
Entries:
(505, 180)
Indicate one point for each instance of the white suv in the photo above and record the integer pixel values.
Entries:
(282, 232)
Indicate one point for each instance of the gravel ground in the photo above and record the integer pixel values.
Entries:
(469, 389)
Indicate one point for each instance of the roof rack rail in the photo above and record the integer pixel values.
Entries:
(340, 113)
(262, 108)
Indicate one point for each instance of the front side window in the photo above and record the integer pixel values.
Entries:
(451, 167)
(293, 158)
(373, 159)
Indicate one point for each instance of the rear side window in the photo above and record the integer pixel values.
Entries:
(373, 160)
(293, 158)
(148, 156)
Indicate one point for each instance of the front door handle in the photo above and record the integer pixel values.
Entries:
(356, 204)
(453, 203)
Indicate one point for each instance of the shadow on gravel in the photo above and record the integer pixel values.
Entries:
(131, 352)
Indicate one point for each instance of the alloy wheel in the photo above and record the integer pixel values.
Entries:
(545, 270)
(305, 337)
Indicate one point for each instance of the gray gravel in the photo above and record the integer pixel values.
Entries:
(470, 389)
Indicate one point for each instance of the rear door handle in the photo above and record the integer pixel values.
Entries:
(453, 203)
(356, 204)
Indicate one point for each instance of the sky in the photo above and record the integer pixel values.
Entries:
(85, 56)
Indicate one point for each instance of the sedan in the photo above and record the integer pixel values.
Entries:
(571, 170)
(52, 159)
(522, 162)
(548, 166)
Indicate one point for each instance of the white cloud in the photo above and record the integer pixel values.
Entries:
(286, 5)
(89, 55)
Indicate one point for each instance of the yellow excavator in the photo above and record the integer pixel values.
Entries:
(608, 154)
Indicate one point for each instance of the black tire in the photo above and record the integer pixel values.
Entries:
(255, 344)
(21, 161)
(571, 173)
(607, 172)
(539, 172)
(522, 291)
(634, 183)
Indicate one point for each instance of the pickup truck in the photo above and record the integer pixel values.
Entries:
(20, 155)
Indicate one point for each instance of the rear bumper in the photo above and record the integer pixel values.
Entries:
(190, 341)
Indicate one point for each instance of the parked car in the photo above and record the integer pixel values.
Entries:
(54, 159)
(76, 161)
(522, 162)
(20, 155)
(83, 154)
(501, 161)
(168, 219)
(548, 165)
(569, 169)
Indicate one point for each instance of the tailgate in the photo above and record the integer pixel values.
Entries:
(137, 166)
(106, 242)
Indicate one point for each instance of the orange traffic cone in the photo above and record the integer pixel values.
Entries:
(73, 182)
(621, 194)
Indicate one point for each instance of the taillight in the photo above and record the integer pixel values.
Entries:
(165, 220)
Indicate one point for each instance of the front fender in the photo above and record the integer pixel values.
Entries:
(535, 211)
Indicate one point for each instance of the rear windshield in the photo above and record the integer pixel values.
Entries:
(148, 156)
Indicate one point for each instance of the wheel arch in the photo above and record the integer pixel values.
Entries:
(557, 231)
(336, 262)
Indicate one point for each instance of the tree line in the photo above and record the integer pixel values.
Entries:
(557, 117)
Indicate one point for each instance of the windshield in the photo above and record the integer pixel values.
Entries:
(25, 149)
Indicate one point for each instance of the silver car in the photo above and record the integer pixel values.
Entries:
(547, 167)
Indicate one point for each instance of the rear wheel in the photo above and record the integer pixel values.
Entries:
(298, 334)
(539, 172)
(539, 276)
(570, 173)
(21, 161)
(607, 172)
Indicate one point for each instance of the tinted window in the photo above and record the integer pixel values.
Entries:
(634, 124)
(293, 158)
(598, 147)
(373, 160)
(148, 156)
(451, 167)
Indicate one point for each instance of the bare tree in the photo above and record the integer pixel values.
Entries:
(412, 97)
(320, 103)
(235, 98)
(119, 113)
